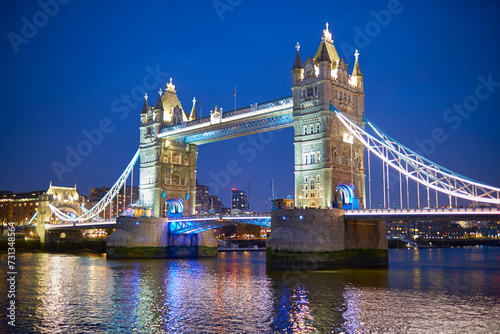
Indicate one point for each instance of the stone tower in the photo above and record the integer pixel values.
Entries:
(167, 168)
(323, 159)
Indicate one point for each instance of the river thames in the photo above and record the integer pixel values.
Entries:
(436, 290)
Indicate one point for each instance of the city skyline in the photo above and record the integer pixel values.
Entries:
(69, 82)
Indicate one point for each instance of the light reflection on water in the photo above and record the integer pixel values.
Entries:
(422, 291)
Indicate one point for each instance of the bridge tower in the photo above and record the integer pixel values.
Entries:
(326, 156)
(66, 199)
(167, 168)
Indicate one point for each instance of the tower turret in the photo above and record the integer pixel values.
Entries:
(357, 75)
(298, 68)
(193, 114)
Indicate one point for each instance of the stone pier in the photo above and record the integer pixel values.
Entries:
(319, 239)
(144, 237)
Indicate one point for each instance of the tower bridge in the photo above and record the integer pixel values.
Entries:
(327, 113)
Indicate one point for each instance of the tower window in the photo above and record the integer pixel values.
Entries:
(176, 158)
(309, 91)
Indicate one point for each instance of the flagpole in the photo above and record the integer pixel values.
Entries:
(201, 107)
(234, 97)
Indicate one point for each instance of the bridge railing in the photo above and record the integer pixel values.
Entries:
(222, 216)
(423, 210)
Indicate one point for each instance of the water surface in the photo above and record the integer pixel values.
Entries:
(453, 290)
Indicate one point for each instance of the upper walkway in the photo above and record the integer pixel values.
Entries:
(271, 115)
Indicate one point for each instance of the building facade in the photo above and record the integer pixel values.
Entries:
(239, 200)
(124, 199)
(18, 208)
(326, 156)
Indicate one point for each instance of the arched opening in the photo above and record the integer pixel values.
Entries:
(347, 198)
(173, 207)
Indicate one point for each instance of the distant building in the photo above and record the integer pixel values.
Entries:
(397, 230)
(18, 207)
(206, 203)
(239, 200)
(117, 205)
(424, 230)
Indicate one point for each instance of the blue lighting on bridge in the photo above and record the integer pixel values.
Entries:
(284, 218)
(136, 223)
(349, 201)
(301, 217)
(175, 207)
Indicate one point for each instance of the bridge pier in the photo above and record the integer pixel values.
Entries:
(146, 237)
(319, 239)
(59, 240)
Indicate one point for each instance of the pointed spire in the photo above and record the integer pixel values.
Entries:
(356, 72)
(145, 105)
(159, 104)
(193, 114)
(298, 62)
(323, 53)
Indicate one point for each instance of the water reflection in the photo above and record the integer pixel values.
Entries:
(427, 290)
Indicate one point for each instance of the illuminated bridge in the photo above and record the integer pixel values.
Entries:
(335, 146)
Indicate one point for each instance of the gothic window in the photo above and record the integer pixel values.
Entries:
(317, 127)
(305, 129)
(310, 73)
(185, 161)
(318, 179)
(306, 180)
(303, 93)
(165, 158)
(311, 129)
(176, 158)
(183, 182)
(312, 186)
(315, 90)
(309, 91)
(175, 179)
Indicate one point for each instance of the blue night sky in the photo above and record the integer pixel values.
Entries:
(78, 67)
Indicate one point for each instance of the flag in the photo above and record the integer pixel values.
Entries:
(200, 100)
(234, 91)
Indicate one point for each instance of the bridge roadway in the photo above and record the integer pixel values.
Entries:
(197, 224)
